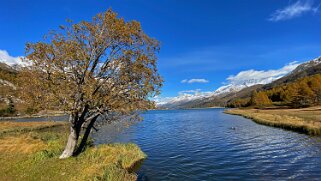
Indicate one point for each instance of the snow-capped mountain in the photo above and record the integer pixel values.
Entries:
(305, 69)
(226, 89)
(182, 98)
(236, 83)
(307, 65)
(9, 60)
(235, 87)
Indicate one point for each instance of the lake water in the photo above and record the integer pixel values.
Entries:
(207, 144)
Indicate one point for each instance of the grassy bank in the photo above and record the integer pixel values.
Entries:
(307, 120)
(30, 151)
(41, 114)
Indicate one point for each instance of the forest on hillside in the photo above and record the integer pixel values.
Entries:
(303, 92)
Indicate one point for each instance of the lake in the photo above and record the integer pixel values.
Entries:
(206, 144)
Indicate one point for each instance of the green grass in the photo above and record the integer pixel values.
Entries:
(34, 155)
(15, 127)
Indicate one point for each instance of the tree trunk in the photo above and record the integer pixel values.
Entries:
(75, 130)
(71, 143)
(85, 137)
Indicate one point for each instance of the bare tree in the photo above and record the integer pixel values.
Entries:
(105, 66)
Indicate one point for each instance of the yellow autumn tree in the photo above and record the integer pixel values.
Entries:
(96, 70)
(315, 85)
(305, 96)
(260, 99)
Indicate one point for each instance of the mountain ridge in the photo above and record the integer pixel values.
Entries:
(227, 93)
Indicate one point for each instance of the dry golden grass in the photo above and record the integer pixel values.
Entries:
(306, 120)
(116, 157)
(3, 105)
(20, 144)
(33, 155)
(11, 126)
(13, 141)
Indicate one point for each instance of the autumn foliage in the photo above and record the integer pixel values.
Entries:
(94, 69)
(303, 92)
(260, 99)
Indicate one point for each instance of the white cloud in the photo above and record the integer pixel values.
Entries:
(294, 10)
(6, 58)
(234, 83)
(191, 81)
(261, 76)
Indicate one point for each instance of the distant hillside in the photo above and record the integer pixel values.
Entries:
(7, 73)
(7, 80)
(7, 88)
(229, 93)
(222, 100)
(306, 69)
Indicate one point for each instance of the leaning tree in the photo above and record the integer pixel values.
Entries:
(91, 69)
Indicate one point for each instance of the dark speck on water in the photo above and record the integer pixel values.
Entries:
(202, 145)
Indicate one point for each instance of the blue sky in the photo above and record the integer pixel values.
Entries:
(203, 42)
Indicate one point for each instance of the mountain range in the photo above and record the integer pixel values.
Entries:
(236, 88)
(242, 88)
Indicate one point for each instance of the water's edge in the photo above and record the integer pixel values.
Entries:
(299, 126)
(207, 144)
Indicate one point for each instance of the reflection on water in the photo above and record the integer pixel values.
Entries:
(209, 145)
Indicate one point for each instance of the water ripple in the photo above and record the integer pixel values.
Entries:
(200, 145)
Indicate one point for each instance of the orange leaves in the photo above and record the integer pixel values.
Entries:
(108, 62)
(260, 99)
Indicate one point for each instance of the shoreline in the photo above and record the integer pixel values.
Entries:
(203, 108)
(34, 148)
(186, 108)
(283, 118)
(31, 116)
